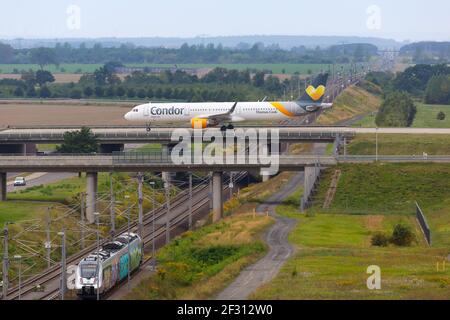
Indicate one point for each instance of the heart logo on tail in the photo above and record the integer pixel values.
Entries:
(315, 93)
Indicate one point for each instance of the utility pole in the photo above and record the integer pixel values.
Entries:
(19, 258)
(168, 212)
(97, 221)
(210, 192)
(152, 183)
(48, 244)
(63, 264)
(112, 209)
(82, 220)
(128, 248)
(5, 262)
(190, 200)
(231, 186)
(376, 144)
(140, 205)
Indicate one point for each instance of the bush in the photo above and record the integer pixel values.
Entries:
(31, 92)
(18, 92)
(88, 91)
(380, 239)
(441, 116)
(45, 92)
(131, 93)
(75, 94)
(397, 110)
(402, 235)
(141, 94)
(438, 90)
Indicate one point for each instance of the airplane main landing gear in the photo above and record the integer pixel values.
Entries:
(148, 128)
(228, 127)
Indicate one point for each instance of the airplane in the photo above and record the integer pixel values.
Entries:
(210, 114)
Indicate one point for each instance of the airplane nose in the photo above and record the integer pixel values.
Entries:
(127, 116)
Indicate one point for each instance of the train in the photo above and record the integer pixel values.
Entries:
(117, 258)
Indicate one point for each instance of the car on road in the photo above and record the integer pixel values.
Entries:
(20, 181)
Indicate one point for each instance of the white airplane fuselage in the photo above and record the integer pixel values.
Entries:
(215, 113)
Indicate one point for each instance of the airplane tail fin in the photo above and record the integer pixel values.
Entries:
(315, 92)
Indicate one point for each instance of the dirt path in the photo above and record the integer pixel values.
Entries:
(280, 250)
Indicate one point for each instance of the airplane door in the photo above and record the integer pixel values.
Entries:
(147, 111)
(187, 110)
(238, 109)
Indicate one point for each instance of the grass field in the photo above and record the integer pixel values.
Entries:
(352, 102)
(426, 117)
(89, 68)
(16, 211)
(333, 249)
(198, 264)
(62, 191)
(397, 144)
(387, 188)
(334, 252)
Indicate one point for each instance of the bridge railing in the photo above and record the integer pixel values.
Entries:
(394, 158)
(133, 133)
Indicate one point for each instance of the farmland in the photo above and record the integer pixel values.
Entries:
(426, 117)
(276, 68)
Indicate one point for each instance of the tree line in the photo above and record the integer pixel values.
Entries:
(430, 83)
(218, 85)
(128, 53)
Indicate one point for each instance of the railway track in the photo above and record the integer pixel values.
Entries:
(54, 273)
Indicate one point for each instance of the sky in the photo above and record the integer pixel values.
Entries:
(399, 19)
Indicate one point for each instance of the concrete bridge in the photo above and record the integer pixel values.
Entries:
(155, 162)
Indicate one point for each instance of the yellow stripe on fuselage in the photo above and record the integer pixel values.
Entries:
(279, 106)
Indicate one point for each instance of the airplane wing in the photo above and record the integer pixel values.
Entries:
(220, 117)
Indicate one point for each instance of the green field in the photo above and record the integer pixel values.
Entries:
(426, 117)
(398, 144)
(16, 211)
(386, 189)
(62, 68)
(89, 68)
(200, 263)
(334, 252)
(62, 191)
(333, 248)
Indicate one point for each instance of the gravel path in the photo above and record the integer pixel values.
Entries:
(280, 250)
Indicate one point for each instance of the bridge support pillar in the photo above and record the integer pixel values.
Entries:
(265, 177)
(3, 186)
(165, 176)
(91, 195)
(217, 182)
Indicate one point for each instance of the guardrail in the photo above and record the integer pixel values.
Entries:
(423, 224)
(153, 135)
